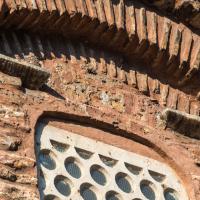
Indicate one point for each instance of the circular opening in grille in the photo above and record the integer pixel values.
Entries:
(110, 162)
(157, 176)
(123, 182)
(133, 169)
(146, 188)
(112, 195)
(51, 197)
(170, 194)
(72, 167)
(83, 153)
(87, 192)
(63, 185)
(61, 147)
(46, 159)
(98, 174)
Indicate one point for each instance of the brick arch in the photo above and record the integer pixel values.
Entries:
(125, 26)
(51, 132)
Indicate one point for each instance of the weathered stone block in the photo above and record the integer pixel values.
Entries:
(182, 122)
(32, 76)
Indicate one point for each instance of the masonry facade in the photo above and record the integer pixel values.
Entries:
(123, 73)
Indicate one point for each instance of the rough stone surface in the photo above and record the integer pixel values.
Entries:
(182, 122)
(31, 76)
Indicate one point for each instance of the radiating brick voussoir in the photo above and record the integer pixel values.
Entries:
(125, 26)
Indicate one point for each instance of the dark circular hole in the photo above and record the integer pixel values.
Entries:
(170, 194)
(147, 191)
(133, 169)
(62, 184)
(61, 147)
(157, 176)
(72, 167)
(97, 174)
(108, 161)
(51, 197)
(87, 193)
(46, 159)
(83, 153)
(123, 182)
(112, 195)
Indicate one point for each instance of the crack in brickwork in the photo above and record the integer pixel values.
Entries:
(125, 26)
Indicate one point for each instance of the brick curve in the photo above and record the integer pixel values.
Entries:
(35, 49)
(185, 11)
(171, 49)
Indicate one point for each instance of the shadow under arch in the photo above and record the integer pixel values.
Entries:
(88, 121)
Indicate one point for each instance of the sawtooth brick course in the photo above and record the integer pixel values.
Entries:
(125, 26)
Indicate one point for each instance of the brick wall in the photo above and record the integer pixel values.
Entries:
(131, 64)
(98, 88)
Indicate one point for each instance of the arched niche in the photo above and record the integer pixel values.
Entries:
(80, 161)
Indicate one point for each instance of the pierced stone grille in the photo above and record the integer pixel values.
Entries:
(74, 167)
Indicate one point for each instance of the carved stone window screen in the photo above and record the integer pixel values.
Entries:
(72, 166)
